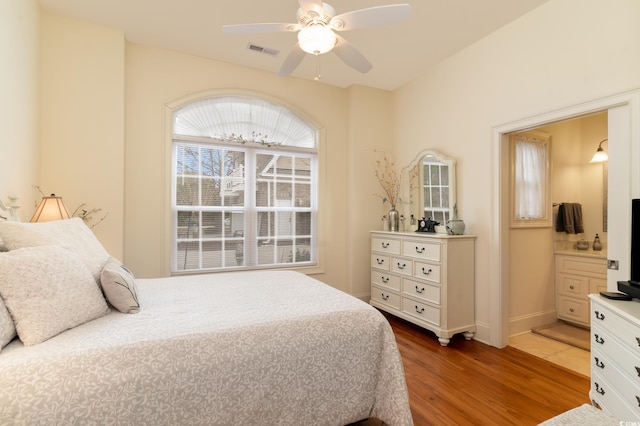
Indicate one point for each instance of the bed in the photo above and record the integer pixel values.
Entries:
(237, 348)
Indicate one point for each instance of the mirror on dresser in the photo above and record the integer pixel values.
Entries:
(432, 186)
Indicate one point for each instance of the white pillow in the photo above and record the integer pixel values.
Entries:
(48, 290)
(70, 233)
(119, 287)
(7, 328)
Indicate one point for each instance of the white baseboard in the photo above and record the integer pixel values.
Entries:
(524, 323)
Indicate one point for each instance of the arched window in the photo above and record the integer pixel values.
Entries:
(244, 186)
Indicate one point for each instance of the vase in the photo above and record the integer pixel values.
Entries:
(394, 220)
(455, 226)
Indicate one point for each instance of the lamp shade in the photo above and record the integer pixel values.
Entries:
(317, 39)
(600, 156)
(50, 208)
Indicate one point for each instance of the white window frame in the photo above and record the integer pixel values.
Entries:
(313, 265)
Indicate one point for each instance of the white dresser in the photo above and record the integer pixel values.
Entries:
(577, 276)
(615, 357)
(427, 279)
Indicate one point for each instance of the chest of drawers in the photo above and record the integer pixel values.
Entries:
(427, 279)
(615, 357)
(576, 278)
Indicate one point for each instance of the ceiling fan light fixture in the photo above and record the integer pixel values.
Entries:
(317, 39)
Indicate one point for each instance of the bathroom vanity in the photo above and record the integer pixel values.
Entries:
(578, 274)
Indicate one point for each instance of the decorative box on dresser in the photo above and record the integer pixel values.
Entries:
(427, 279)
(578, 274)
(615, 357)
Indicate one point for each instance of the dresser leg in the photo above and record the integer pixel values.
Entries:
(444, 341)
(468, 335)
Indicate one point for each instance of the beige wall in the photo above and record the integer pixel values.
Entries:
(89, 156)
(156, 78)
(551, 58)
(370, 130)
(19, 49)
(82, 120)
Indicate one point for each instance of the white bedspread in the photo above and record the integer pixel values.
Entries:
(247, 348)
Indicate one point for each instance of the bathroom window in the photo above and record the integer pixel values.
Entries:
(530, 200)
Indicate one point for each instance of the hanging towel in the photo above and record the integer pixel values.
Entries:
(569, 218)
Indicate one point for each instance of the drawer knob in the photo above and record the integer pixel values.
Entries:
(384, 296)
(419, 310)
(599, 340)
(571, 287)
(419, 290)
(599, 315)
(385, 245)
(571, 310)
(599, 389)
(426, 271)
(404, 265)
(384, 280)
(599, 363)
(380, 261)
(419, 250)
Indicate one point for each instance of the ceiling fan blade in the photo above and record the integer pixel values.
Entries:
(258, 28)
(351, 56)
(371, 17)
(307, 6)
(292, 61)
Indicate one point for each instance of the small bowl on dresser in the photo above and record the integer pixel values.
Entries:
(440, 229)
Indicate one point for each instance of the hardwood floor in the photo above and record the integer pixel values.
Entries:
(470, 383)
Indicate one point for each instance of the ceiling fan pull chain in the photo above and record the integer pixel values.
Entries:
(318, 74)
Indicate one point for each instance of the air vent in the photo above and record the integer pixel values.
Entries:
(261, 49)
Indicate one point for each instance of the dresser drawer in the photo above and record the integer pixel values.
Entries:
(582, 266)
(383, 279)
(573, 285)
(385, 296)
(610, 351)
(385, 245)
(420, 310)
(427, 271)
(421, 290)
(402, 266)
(605, 319)
(425, 250)
(608, 396)
(380, 261)
(573, 309)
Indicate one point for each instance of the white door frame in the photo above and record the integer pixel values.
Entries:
(626, 129)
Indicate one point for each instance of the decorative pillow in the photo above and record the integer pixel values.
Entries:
(119, 287)
(7, 328)
(72, 233)
(48, 290)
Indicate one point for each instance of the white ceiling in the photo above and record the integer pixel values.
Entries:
(399, 53)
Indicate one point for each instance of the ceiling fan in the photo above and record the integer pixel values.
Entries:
(317, 26)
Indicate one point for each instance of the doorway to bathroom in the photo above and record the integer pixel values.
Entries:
(536, 253)
(623, 133)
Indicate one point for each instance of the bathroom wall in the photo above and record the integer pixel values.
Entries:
(573, 179)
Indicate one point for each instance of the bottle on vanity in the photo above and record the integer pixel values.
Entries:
(597, 245)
